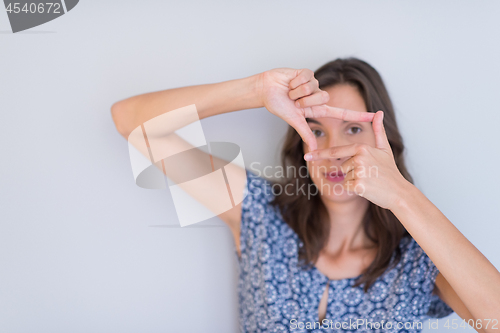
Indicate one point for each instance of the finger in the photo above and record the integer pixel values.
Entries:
(332, 152)
(350, 176)
(348, 165)
(303, 76)
(339, 113)
(381, 140)
(318, 98)
(351, 185)
(306, 89)
(305, 133)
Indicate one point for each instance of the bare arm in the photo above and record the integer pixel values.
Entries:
(472, 284)
(445, 291)
(210, 99)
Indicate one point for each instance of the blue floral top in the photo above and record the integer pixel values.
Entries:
(277, 295)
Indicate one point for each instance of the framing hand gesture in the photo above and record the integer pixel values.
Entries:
(294, 95)
(371, 171)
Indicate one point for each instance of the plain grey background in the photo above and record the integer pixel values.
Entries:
(83, 249)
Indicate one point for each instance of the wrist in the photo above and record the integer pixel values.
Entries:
(245, 93)
(232, 95)
(405, 194)
(256, 84)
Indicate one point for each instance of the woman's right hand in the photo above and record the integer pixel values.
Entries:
(294, 95)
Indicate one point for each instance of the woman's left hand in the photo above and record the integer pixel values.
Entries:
(371, 172)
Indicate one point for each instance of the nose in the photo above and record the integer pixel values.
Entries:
(337, 140)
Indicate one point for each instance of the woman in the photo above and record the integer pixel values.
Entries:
(337, 248)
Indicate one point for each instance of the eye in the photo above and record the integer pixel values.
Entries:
(317, 132)
(359, 129)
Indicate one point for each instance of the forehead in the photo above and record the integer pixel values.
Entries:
(346, 96)
(325, 121)
(342, 96)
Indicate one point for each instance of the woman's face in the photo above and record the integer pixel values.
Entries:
(332, 132)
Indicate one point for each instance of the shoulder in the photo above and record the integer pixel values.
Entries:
(416, 277)
(411, 252)
(258, 193)
(417, 265)
(260, 221)
(414, 272)
(258, 187)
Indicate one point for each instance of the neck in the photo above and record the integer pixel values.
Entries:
(346, 228)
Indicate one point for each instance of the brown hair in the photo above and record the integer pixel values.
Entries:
(306, 215)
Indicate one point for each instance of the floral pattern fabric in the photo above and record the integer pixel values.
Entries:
(277, 295)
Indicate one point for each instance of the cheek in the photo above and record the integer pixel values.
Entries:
(366, 138)
(305, 148)
(369, 138)
(312, 169)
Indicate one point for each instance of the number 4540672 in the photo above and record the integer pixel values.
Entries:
(471, 323)
(34, 8)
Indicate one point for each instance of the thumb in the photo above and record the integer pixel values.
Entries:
(381, 140)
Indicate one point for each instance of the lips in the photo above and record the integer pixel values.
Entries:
(335, 176)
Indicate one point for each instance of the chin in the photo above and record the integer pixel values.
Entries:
(335, 191)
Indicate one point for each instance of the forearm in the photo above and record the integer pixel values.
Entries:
(475, 280)
(210, 99)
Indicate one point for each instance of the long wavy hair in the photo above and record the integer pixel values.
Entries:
(307, 215)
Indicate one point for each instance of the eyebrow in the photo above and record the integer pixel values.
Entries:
(310, 120)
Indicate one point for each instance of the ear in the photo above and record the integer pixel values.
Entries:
(381, 140)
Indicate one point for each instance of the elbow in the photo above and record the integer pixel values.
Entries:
(119, 118)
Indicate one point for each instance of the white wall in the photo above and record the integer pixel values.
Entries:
(78, 248)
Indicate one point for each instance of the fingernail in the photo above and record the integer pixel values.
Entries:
(308, 157)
